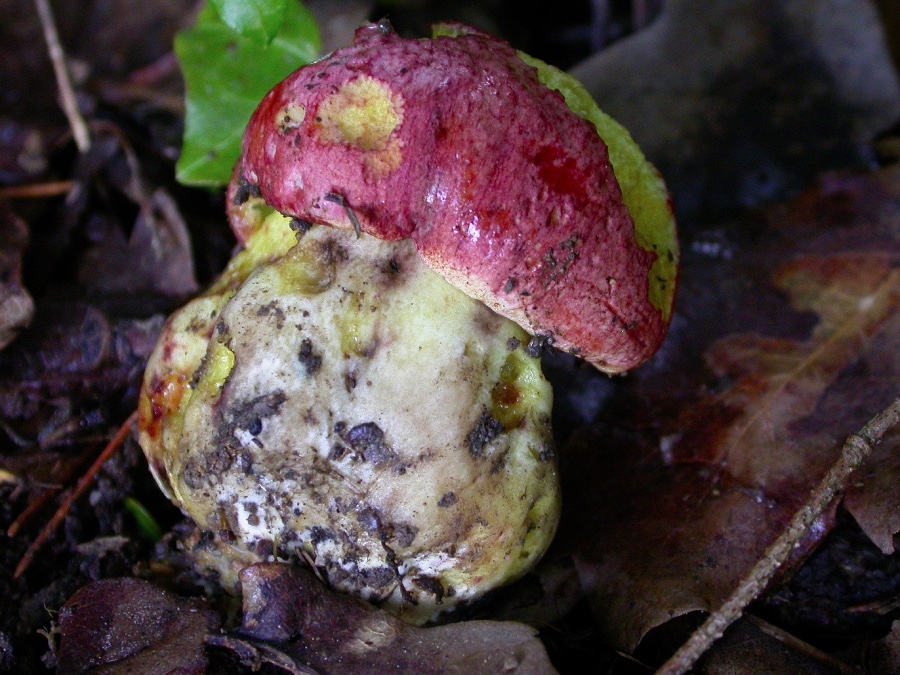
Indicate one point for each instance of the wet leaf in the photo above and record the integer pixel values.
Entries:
(698, 461)
(22, 151)
(307, 625)
(16, 305)
(746, 649)
(227, 76)
(102, 38)
(130, 626)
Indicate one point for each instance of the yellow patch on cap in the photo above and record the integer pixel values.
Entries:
(363, 114)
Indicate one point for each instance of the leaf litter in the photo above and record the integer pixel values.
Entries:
(671, 510)
(786, 340)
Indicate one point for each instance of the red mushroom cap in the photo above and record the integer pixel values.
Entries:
(456, 143)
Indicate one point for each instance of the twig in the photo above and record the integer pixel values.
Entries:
(48, 494)
(66, 92)
(855, 450)
(31, 510)
(37, 190)
(82, 486)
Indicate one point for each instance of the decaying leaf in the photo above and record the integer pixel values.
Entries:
(16, 305)
(22, 151)
(55, 379)
(747, 649)
(301, 623)
(103, 40)
(131, 626)
(157, 257)
(873, 496)
(747, 101)
(695, 467)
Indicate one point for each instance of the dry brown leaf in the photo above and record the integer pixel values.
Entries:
(697, 464)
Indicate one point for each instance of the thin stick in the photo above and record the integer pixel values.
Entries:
(66, 92)
(37, 190)
(855, 450)
(31, 510)
(82, 486)
(48, 494)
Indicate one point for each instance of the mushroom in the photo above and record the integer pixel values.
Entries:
(361, 388)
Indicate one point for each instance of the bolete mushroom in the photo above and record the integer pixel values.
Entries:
(360, 388)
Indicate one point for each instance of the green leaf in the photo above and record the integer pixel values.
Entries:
(226, 76)
(147, 525)
(257, 20)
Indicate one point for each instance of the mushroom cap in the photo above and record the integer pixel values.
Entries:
(458, 144)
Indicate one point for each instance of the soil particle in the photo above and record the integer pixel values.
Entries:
(448, 500)
(245, 191)
(486, 430)
(538, 344)
(367, 440)
(430, 585)
(403, 534)
(309, 359)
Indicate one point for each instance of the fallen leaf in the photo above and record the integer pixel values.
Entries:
(746, 102)
(746, 649)
(697, 463)
(873, 497)
(304, 624)
(157, 257)
(751, 427)
(74, 360)
(102, 39)
(16, 305)
(131, 626)
(846, 590)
